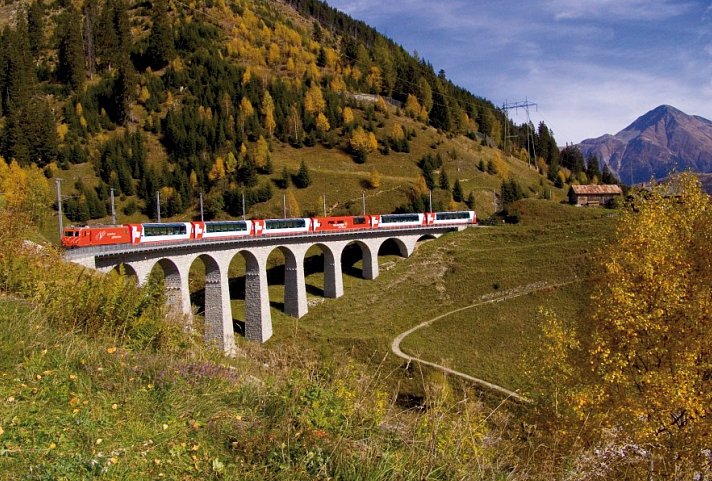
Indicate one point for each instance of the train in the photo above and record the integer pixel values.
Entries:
(101, 235)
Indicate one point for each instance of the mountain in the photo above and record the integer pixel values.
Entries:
(657, 143)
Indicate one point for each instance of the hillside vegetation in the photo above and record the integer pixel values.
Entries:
(232, 98)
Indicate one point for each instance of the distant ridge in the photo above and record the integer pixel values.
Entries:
(662, 141)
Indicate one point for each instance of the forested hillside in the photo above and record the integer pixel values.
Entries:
(232, 97)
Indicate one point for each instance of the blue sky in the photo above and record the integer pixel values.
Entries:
(591, 66)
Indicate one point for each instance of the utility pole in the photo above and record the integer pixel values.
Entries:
(284, 206)
(158, 205)
(59, 206)
(324, 199)
(363, 202)
(525, 104)
(430, 200)
(201, 207)
(243, 204)
(113, 208)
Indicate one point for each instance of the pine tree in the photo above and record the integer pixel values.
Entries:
(161, 48)
(302, 179)
(36, 28)
(89, 35)
(443, 181)
(457, 194)
(123, 92)
(283, 181)
(70, 67)
(471, 201)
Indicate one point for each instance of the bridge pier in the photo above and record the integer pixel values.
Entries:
(295, 290)
(333, 278)
(218, 311)
(258, 318)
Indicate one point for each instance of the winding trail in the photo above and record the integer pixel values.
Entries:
(511, 294)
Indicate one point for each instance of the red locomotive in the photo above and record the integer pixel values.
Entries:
(88, 236)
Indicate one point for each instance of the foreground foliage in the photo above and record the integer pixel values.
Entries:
(634, 383)
(97, 381)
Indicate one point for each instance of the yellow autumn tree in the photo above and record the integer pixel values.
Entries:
(314, 100)
(641, 377)
(246, 108)
(347, 115)
(217, 172)
(412, 106)
(374, 179)
(292, 205)
(261, 154)
(269, 122)
(362, 143)
(27, 192)
(322, 123)
(421, 186)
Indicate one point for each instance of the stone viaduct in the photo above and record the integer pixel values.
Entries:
(176, 259)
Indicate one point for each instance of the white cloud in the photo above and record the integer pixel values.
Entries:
(617, 9)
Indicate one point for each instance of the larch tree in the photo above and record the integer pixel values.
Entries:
(638, 371)
(292, 205)
(269, 122)
(314, 100)
(374, 179)
(362, 143)
(347, 115)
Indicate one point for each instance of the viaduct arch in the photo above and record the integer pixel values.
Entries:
(176, 259)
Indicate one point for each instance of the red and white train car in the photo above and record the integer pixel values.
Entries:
(87, 236)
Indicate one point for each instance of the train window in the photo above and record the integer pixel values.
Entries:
(393, 218)
(238, 226)
(151, 230)
(359, 220)
(451, 215)
(284, 223)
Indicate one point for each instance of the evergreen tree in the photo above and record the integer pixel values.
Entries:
(457, 194)
(35, 28)
(511, 192)
(302, 179)
(123, 93)
(89, 35)
(471, 201)
(593, 168)
(284, 178)
(70, 67)
(429, 179)
(443, 181)
(572, 158)
(18, 76)
(161, 47)
(440, 115)
(607, 176)
(491, 168)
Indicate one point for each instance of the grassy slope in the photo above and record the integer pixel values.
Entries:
(452, 272)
